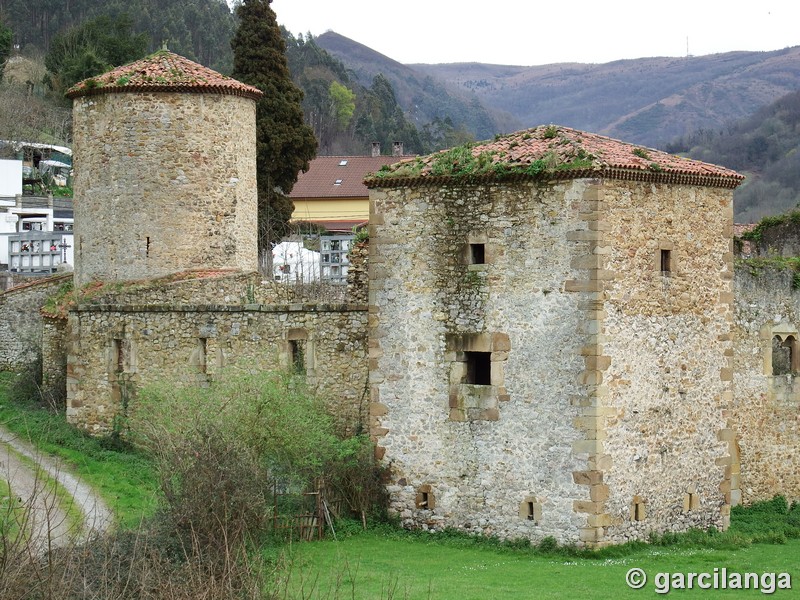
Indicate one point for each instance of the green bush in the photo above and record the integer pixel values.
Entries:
(225, 451)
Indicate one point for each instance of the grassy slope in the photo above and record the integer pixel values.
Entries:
(379, 566)
(125, 480)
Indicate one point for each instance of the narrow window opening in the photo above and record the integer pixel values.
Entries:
(298, 356)
(666, 262)
(638, 511)
(147, 246)
(479, 368)
(531, 512)
(423, 502)
(782, 355)
(477, 254)
(119, 356)
(203, 349)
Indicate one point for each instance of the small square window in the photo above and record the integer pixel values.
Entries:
(479, 368)
(477, 254)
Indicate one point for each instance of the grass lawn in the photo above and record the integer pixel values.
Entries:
(125, 479)
(375, 565)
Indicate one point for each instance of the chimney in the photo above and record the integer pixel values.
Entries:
(397, 149)
(376, 149)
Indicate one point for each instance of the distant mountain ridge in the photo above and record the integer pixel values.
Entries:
(423, 97)
(648, 101)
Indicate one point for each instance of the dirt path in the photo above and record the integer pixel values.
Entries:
(33, 489)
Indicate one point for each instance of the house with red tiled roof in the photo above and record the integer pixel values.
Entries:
(332, 192)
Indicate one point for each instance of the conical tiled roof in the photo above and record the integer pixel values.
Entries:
(552, 152)
(163, 71)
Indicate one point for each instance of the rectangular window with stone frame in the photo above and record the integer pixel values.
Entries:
(477, 375)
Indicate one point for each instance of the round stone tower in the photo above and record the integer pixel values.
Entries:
(165, 171)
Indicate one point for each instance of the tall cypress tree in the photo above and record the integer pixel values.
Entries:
(284, 143)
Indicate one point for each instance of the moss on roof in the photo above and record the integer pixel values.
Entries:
(162, 71)
(551, 152)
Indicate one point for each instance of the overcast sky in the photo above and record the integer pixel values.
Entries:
(537, 32)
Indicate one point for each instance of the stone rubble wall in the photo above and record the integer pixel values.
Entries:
(782, 239)
(358, 273)
(196, 344)
(164, 182)
(667, 358)
(220, 287)
(54, 359)
(611, 382)
(482, 463)
(766, 411)
(21, 322)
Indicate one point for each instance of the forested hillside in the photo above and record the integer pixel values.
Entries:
(765, 147)
(425, 98)
(347, 117)
(198, 29)
(348, 114)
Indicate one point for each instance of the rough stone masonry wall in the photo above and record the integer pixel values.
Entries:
(496, 459)
(54, 359)
(164, 182)
(667, 358)
(358, 273)
(766, 409)
(226, 287)
(21, 322)
(114, 348)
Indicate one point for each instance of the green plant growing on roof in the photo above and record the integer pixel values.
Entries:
(576, 163)
(404, 169)
(656, 168)
(550, 132)
(124, 80)
(455, 161)
(641, 153)
(536, 167)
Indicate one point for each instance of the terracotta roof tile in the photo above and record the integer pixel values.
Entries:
(163, 71)
(553, 152)
(320, 181)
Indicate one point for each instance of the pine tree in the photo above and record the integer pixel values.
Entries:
(284, 144)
